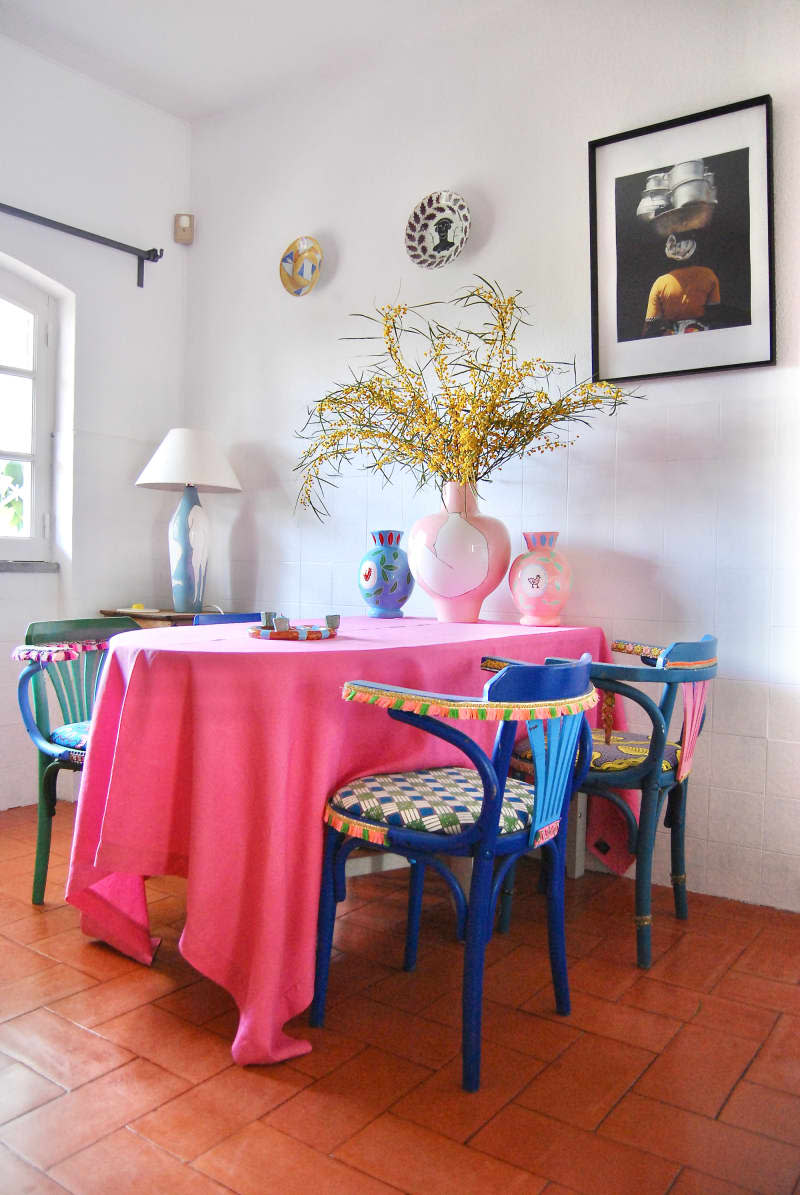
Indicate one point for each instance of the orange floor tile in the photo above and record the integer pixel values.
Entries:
(116, 1079)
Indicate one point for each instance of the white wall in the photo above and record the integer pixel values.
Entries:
(679, 516)
(84, 155)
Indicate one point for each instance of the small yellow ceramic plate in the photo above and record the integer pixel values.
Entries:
(300, 265)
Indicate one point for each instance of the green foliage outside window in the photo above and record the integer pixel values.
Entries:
(11, 497)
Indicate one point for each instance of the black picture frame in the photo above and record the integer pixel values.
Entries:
(703, 180)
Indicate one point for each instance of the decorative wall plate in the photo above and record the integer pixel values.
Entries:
(300, 265)
(437, 229)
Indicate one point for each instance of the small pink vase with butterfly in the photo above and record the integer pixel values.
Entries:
(540, 580)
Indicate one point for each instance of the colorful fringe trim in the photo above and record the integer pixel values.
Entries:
(650, 652)
(637, 649)
(355, 829)
(467, 708)
(607, 714)
(54, 653)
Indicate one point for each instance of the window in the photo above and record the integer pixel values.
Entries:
(26, 421)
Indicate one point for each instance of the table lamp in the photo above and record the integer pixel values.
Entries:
(188, 460)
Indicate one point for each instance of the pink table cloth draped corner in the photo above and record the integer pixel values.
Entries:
(210, 756)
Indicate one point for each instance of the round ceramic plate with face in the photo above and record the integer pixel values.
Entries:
(300, 263)
(437, 229)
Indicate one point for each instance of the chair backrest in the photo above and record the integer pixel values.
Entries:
(689, 665)
(200, 620)
(553, 737)
(74, 682)
(554, 695)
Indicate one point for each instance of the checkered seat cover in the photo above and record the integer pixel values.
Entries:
(625, 750)
(436, 800)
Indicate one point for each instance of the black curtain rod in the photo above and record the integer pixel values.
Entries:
(142, 255)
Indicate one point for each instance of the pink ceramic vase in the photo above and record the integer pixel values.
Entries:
(540, 580)
(458, 556)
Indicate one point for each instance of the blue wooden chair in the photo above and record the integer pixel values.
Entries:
(650, 762)
(201, 620)
(66, 657)
(428, 815)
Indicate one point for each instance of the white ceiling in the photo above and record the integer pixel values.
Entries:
(195, 58)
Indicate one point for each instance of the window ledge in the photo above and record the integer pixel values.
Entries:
(28, 566)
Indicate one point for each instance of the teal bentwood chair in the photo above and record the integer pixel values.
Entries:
(429, 815)
(658, 767)
(65, 657)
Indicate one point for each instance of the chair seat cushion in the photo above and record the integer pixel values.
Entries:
(74, 735)
(625, 750)
(437, 800)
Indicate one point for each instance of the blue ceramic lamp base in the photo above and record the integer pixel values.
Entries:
(188, 553)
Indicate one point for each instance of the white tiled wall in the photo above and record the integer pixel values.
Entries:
(679, 517)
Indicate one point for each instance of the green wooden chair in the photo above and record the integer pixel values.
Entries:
(63, 661)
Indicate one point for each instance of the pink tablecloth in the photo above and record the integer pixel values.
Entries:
(211, 755)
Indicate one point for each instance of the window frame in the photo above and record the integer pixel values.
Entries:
(38, 545)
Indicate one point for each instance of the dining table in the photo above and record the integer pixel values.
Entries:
(210, 756)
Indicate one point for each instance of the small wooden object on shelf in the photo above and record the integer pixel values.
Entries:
(152, 618)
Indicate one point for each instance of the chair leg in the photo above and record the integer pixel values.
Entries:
(676, 820)
(556, 941)
(648, 817)
(416, 885)
(325, 923)
(480, 895)
(48, 778)
(506, 900)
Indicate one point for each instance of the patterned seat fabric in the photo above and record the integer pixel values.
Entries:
(439, 801)
(625, 750)
(73, 735)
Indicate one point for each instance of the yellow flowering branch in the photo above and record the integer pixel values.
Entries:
(464, 410)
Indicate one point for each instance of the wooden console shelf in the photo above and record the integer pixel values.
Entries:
(152, 618)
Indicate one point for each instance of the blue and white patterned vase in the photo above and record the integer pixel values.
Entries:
(384, 577)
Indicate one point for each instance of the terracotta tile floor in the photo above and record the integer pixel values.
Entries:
(116, 1079)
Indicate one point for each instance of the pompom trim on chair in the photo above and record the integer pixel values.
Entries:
(628, 647)
(467, 708)
(54, 653)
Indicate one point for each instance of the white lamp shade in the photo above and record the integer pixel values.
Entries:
(188, 457)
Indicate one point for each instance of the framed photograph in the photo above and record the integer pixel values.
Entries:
(682, 245)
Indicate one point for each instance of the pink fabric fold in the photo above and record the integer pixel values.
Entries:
(606, 827)
(211, 755)
(694, 704)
